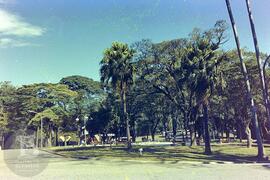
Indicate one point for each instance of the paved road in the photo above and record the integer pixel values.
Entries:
(51, 166)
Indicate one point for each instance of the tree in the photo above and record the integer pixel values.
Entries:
(89, 99)
(117, 69)
(48, 118)
(100, 121)
(259, 62)
(171, 66)
(247, 85)
(77, 83)
(147, 110)
(203, 60)
(234, 98)
(9, 107)
(41, 97)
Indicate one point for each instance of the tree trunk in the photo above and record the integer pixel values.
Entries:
(153, 131)
(239, 130)
(259, 62)
(266, 132)
(240, 135)
(247, 84)
(186, 135)
(154, 128)
(118, 135)
(134, 137)
(153, 136)
(165, 129)
(3, 142)
(228, 135)
(78, 134)
(37, 137)
(249, 139)
(56, 136)
(221, 136)
(50, 137)
(134, 134)
(174, 126)
(214, 135)
(193, 141)
(125, 115)
(207, 145)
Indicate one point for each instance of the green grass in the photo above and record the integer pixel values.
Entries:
(225, 152)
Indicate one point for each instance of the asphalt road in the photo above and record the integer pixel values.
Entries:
(16, 164)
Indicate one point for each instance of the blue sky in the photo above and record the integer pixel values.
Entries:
(45, 40)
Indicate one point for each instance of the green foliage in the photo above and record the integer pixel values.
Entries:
(9, 108)
(116, 65)
(89, 98)
(47, 114)
(147, 87)
(79, 83)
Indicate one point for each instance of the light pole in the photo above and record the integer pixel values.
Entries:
(78, 129)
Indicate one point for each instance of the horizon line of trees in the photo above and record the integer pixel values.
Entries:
(188, 84)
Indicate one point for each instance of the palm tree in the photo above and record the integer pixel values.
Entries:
(202, 60)
(206, 77)
(259, 62)
(117, 70)
(202, 86)
(247, 85)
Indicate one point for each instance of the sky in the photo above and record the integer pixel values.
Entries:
(46, 40)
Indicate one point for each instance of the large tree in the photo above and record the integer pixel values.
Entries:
(117, 70)
(203, 59)
(9, 109)
(171, 66)
(38, 98)
(89, 99)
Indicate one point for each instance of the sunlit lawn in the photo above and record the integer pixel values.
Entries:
(224, 152)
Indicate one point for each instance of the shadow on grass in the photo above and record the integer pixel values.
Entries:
(221, 154)
(266, 166)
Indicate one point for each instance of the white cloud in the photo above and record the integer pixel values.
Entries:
(11, 24)
(8, 42)
(7, 1)
(14, 30)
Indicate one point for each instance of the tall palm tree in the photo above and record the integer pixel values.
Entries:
(117, 70)
(203, 86)
(259, 61)
(203, 54)
(247, 85)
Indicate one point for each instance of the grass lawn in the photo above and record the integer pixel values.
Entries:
(238, 153)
